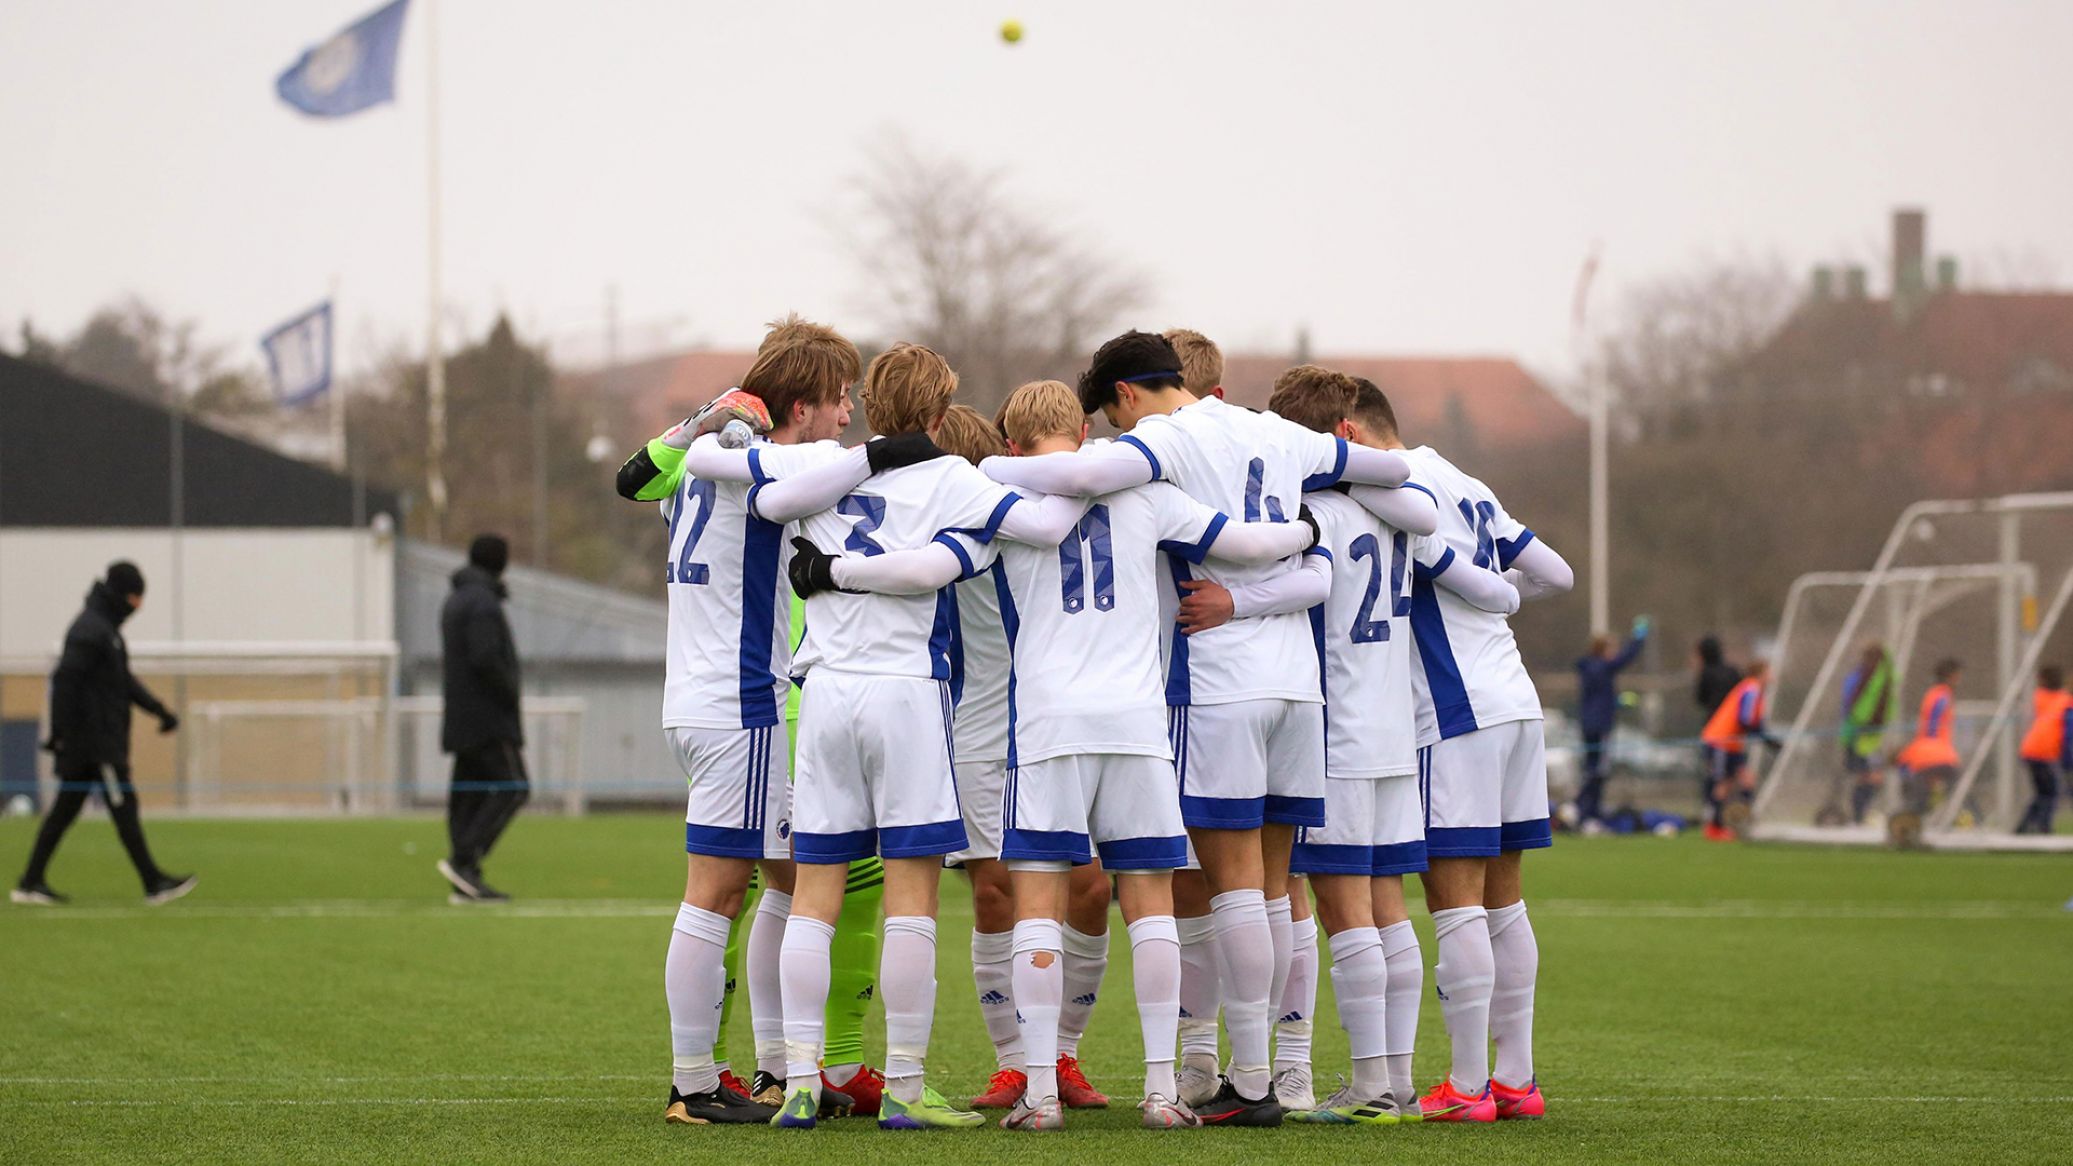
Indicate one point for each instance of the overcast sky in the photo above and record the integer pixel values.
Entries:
(1398, 178)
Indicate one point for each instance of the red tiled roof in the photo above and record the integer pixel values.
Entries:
(1500, 404)
(661, 391)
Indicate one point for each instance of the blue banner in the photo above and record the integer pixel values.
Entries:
(351, 71)
(298, 353)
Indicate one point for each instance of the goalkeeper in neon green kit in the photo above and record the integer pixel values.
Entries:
(728, 663)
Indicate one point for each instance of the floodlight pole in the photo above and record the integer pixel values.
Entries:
(1595, 393)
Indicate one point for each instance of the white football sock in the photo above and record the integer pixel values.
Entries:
(1517, 957)
(1406, 992)
(1298, 1000)
(993, 952)
(1283, 931)
(907, 985)
(803, 970)
(1086, 962)
(694, 978)
(1039, 975)
(1465, 976)
(1201, 985)
(766, 983)
(1360, 981)
(1155, 974)
(1245, 962)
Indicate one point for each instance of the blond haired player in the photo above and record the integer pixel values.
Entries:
(727, 669)
(1090, 769)
(874, 752)
(1245, 715)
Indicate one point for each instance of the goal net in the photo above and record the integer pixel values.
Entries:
(1981, 582)
(316, 728)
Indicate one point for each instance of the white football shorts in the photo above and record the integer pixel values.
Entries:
(740, 803)
(1249, 762)
(1373, 826)
(874, 769)
(981, 786)
(1121, 806)
(1486, 792)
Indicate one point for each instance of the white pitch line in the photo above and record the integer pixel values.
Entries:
(1775, 1098)
(645, 909)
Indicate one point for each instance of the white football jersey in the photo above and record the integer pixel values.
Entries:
(1363, 628)
(1083, 622)
(729, 650)
(1255, 467)
(1469, 673)
(900, 509)
(979, 670)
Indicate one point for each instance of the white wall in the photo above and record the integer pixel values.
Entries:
(236, 585)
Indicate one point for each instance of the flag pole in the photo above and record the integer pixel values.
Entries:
(435, 354)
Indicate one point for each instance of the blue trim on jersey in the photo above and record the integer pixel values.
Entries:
(1177, 738)
(1198, 550)
(1046, 846)
(1936, 712)
(1398, 858)
(1148, 853)
(1320, 552)
(924, 841)
(1316, 614)
(1178, 689)
(964, 561)
(828, 849)
(756, 473)
(1408, 485)
(1158, 473)
(762, 546)
(1338, 471)
(944, 635)
(722, 841)
(1288, 811)
(1532, 835)
(1314, 858)
(985, 533)
(1437, 569)
(1450, 704)
(1462, 841)
(1011, 625)
(1225, 813)
(1508, 549)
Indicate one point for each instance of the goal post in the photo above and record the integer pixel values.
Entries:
(1955, 579)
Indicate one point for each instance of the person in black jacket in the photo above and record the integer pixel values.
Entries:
(481, 725)
(90, 697)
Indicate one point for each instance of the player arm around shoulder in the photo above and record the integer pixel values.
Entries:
(1410, 507)
(911, 572)
(1538, 572)
(1102, 469)
(1487, 590)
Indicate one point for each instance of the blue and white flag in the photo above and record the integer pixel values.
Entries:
(299, 355)
(351, 71)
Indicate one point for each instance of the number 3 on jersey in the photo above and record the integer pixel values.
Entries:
(680, 568)
(869, 511)
(1366, 628)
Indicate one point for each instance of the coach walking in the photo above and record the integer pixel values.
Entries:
(90, 697)
(481, 726)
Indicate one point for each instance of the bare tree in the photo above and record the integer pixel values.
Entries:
(1682, 337)
(950, 261)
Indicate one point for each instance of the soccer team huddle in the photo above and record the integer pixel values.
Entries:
(1221, 667)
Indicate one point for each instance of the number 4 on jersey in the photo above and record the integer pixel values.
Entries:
(1366, 628)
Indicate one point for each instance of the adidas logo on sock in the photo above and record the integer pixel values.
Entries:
(1186, 1015)
(866, 993)
(993, 996)
(1290, 1018)
(1086, 999)
(1439, 991)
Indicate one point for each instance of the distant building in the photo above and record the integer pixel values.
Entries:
(1973, 388)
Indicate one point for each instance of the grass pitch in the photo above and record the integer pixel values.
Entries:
(316, 1000)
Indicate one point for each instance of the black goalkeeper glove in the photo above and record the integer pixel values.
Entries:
(1308, 519)
(812, 570)
(890, 453)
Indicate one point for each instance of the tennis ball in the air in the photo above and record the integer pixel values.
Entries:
(1011, 31)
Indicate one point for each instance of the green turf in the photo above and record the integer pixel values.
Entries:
(316, 1000)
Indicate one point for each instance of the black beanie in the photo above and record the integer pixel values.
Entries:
(490, 552)
(125, 579)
